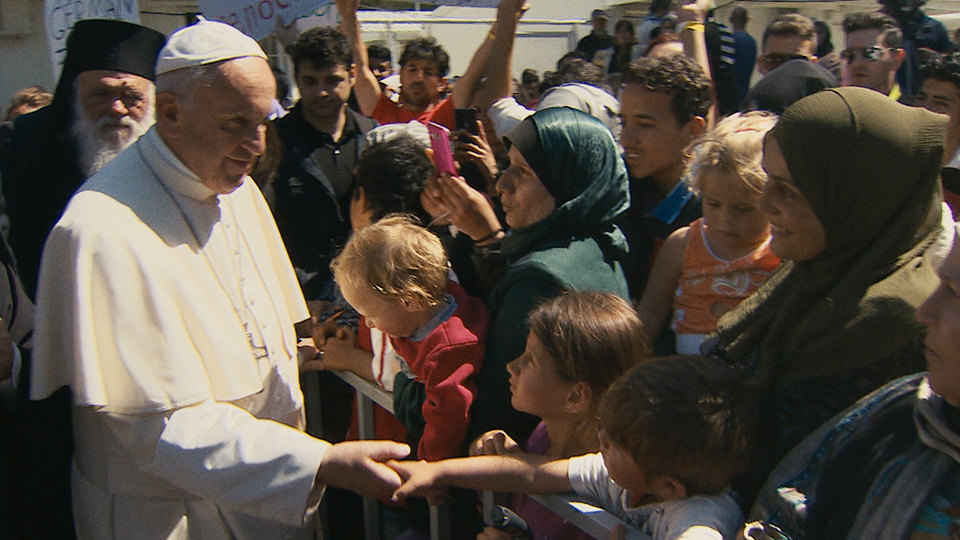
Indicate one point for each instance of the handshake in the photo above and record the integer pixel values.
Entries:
(374, 469)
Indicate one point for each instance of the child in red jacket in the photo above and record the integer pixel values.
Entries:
(395, 274)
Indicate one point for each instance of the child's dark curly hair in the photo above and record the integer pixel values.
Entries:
(943, 67)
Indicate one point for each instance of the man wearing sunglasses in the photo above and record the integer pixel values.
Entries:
(787, 37)
(874, 52)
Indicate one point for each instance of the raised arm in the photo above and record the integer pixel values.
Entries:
(468, 84)
(497, 73)
(691, 17)
(367, 87)
(518, 473)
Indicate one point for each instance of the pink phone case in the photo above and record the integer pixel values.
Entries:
(442, 149)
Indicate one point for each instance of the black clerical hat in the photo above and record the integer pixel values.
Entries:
(114, 45)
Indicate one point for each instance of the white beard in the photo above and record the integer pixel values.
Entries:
(99, 141)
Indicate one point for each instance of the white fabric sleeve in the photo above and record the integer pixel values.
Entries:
(506, 113)
(701, 518)
(589, 477)
(221, 453)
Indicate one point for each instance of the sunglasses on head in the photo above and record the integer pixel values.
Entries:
(870, 54)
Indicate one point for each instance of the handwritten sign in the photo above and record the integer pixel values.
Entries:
(61, 15)
(260, 18)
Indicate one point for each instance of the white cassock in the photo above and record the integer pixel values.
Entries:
(169, 310)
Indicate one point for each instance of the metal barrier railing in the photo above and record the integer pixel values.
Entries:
(592, 520)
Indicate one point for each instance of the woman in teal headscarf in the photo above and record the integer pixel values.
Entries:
(565, 185)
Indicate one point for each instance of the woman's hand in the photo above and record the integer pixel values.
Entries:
(470, 147)
(465, 208)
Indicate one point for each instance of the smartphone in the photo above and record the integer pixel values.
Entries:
(466, 120)
(442, 149)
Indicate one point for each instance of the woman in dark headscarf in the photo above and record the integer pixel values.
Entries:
(565, 185)
(854, 203)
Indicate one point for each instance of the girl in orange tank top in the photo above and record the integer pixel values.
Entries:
(706, 269)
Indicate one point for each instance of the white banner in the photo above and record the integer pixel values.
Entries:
(61, 15)
(260, 18)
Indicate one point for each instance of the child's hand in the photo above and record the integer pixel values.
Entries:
(340, 353)
(494, 443)
(419, 480)
(323, 328)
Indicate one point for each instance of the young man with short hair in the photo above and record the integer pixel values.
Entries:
(874, 52)
(921, 32)
(652, 24)
(321, 140)
(788, 65)
(424, 65)
(940, 92)
(663, 106)
(598, 39)
(381, 61)
(787, 37)
(746, 50)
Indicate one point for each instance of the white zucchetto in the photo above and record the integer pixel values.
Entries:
(205, 42)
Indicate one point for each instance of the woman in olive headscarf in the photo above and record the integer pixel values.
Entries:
(854, 202)
(565, 185)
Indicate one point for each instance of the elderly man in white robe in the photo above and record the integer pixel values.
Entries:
(167, 303)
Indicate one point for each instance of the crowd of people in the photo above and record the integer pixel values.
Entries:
(715, 310)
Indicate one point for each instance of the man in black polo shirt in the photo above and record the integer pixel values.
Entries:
(321, 139)
(598, 39)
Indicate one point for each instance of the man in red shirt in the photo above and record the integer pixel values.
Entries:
(424, 65)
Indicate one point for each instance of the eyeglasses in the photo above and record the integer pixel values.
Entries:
(774, 60)
(870, 54)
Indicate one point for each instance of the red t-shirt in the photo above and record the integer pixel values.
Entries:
(390, 112)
